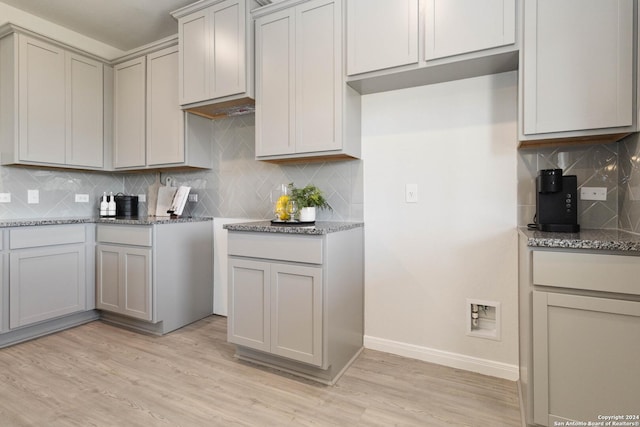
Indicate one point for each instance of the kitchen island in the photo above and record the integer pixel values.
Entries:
(579, 310)
(296, 296)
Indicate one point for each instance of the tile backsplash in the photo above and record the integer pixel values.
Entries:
(629, 184)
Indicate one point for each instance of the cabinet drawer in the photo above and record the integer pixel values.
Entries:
(124, 235)
(595, 272)
(284, 247)
(31, 237)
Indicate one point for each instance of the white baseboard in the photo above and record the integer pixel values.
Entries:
(453, 360)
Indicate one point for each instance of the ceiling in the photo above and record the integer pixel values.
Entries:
(123, 24)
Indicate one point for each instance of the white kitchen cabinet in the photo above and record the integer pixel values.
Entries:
(577, 83)
(215, 39)
(150, 129)
(52, 104)
(454, 27)
(575, 339)
(417, 42)
(296, 300)
(381, 34)
(303, 107)
(47, 273)
(129, 115)
(124, 280)
(277, 308)
(155, 277)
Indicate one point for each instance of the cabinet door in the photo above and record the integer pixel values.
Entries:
(124, 281)
(275, 96)
(227, 74)
(84, 86)
(45, 283)
(249, 304)
(41, 101)
(576, 77)
(585, 357)
(454, 27)
(381, 34)
(318, 106)
(165, 119)
(296, 312)
(194, 42)
(129, 113)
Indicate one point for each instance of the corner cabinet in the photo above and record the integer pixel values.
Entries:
(304, 109)
(51, 104)
(427, 41)
(150, 129)
(296, 301)
(156, 277)
(576, 83)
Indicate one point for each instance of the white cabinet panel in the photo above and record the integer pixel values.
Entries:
(228, 54)
(46, 283)
(129, 114)
(381, 34)
(454, 27)
(84, 85)
(194, 56)
(574, 77)
(42, 101)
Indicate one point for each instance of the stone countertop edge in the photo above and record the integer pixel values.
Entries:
(89, 220)
(605, 239)
(319, 228)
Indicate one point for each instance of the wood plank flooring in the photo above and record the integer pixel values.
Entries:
(102, 375)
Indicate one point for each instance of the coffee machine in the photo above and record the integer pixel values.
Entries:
(556, 201)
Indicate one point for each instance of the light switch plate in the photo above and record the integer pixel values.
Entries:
(82, 198)
(33, 197)
(411, 193)
(5, 197)
(593, 193)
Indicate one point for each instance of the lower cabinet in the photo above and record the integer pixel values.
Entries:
(156, 277)
(284, 303)
(296, 301)
(124, 281)
(585, 357)
(47, 273)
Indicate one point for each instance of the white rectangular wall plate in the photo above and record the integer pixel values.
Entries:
(82, 198)
(593, 193)
(33, 196)
(411, 193)
(5, 197)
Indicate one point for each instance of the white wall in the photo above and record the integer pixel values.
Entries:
(56, 32)
(458, 142)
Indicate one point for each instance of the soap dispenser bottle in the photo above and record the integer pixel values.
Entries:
(111, 209)
(104, 205)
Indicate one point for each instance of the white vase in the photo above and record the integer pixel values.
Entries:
(308, 214)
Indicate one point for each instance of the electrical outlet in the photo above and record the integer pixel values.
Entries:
(411, 193)
(193, 198)
(593, 193)
(82, 198)
(142, 198)
(5, 197)
(33, 197)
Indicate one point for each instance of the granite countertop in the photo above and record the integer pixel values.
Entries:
(609, 240)
(84, 220)
(320, 227)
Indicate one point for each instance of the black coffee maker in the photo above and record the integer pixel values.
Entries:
(556, 201)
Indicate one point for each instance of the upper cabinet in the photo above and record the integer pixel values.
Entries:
(576, 82)
(215, 64)
(394, 44)
(303, 107)
(149, 126)
(369, 48)
(455, 27)
(51, 104)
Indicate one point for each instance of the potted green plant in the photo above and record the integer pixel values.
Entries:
(309, 199)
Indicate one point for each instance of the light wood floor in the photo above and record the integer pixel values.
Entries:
(102, 375)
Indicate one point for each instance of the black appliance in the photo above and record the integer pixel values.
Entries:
(126, 206)
(556, 201)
